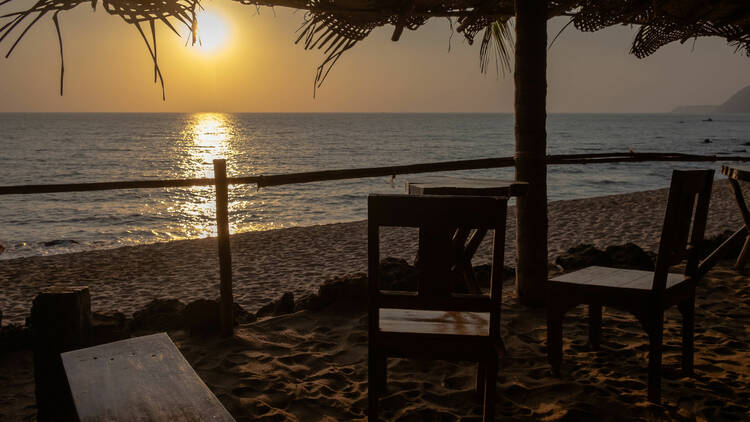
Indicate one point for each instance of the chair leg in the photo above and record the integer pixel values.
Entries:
(656, 331)
(490, 389)
(595, 325)
(372, 386)
(744, 255)
(554, 339)
(382, 367)
(481, 371)
(687, 309)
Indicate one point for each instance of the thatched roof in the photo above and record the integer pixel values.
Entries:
(337, 25)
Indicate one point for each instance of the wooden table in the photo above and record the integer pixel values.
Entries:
(139, 379)
(737, 173)
(446, 185)
(464, 242)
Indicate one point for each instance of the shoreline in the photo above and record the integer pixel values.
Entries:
(298, 259)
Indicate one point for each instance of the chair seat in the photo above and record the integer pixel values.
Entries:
(434, 322)
(616, 278)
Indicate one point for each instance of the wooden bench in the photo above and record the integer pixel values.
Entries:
(138, 379)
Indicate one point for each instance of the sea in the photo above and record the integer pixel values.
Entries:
(38, 148)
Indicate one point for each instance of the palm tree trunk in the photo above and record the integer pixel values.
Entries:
(531, 147)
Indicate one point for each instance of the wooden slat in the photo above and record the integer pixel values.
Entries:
(453, 302)
(445, 185)
(435, 210)
(616, 278)
(139, 379)
(736, 172)
(434, 322)
(583, 276)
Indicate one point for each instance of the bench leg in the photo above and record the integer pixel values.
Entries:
(372, 386)
(554, 338)
(595, 325)
(687, 309)
(490, 390)
(656, 331)
(382, 367)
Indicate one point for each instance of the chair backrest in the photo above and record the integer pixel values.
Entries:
(437, 213)
(684, 223)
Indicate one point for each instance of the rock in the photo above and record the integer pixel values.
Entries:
(108, 327)
(60, 242)
(581, 256)
(201, 315)
(15, 337)
(159, 314)
(284, 305)
(630, 256)
(242, 316)
(2, 248)
(706, 141)
(348, 291)
(397, 274)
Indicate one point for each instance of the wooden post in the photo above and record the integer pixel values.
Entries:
(60, 322)
(531, 147)
(225, 253)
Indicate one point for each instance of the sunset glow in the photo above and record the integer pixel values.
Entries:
(213, 32)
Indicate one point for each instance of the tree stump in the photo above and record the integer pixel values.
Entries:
(60, 322)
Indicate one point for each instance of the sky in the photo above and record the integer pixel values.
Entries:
(249, 63)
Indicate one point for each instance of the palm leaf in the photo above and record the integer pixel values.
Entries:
(497, 42)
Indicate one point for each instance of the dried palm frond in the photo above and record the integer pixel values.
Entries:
(134, 12)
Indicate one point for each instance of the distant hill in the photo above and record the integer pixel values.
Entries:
(696, 109)
(737, 103)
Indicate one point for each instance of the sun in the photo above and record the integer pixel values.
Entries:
(213, 32)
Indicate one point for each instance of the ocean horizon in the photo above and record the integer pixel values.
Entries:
(52, 147)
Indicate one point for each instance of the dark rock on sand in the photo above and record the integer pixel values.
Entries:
(2, 248)
(60, 242)
(201, 315)
(628, 255)
(397, 274)
(284, 305)
(159, 314)
(348, 291)
(14, 337)
(108, 327)
(241, 315)
(205, 315)
(581, 256)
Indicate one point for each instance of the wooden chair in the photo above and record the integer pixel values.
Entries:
(645, 294)
(433, 322)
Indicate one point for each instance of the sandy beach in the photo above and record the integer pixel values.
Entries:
(311, 365)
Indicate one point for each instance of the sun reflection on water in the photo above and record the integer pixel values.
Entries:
(211, 135)
(206, 137)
